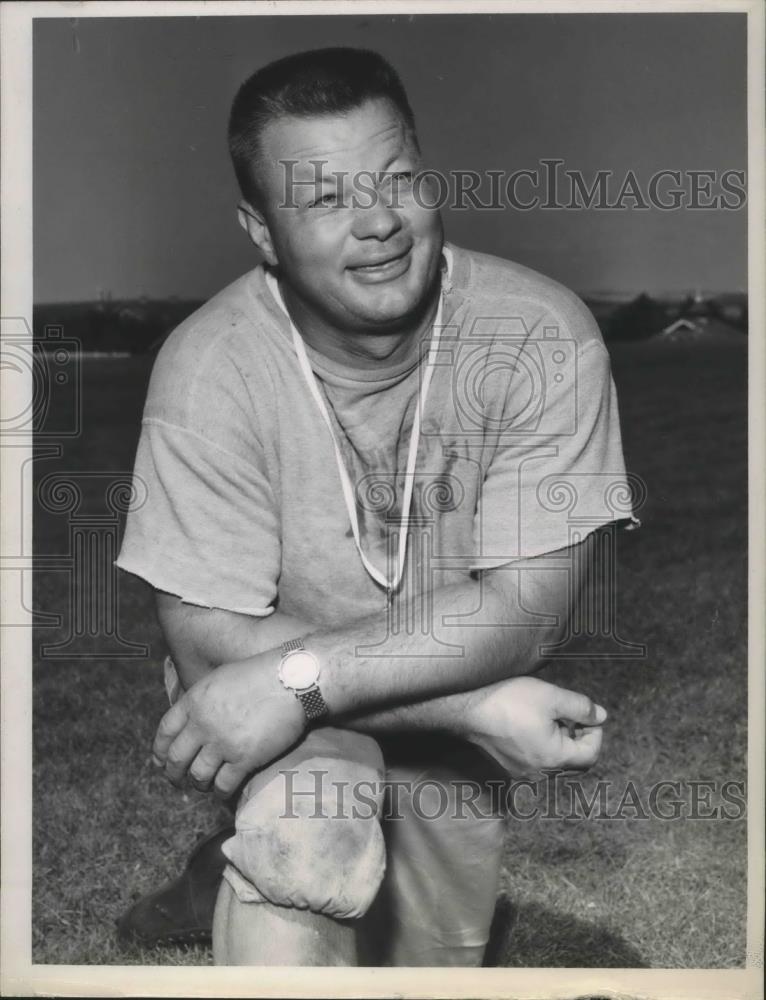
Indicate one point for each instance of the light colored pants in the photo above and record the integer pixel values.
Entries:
(403, 836)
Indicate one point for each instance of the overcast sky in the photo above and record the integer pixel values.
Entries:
(134, 194)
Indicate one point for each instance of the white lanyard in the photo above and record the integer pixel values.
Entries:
(348, 492)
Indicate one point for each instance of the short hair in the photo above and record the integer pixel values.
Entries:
(305, 85)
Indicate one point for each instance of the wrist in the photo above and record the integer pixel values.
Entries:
(299, 671)
(455, 714)
(472, 722)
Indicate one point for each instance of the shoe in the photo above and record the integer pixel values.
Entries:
(181, 911)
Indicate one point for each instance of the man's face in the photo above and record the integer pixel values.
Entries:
(348, 235)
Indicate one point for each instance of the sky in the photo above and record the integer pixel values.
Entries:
(134, 193)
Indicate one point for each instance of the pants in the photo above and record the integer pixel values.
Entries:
(404, 836)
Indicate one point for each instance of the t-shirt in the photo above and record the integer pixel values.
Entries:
(519, 451)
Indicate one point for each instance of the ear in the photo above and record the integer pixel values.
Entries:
(254, 224)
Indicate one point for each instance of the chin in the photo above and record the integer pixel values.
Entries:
(398, 300)
(392, 313)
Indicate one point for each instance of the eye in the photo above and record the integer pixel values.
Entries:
(399, 183)
(329, 200)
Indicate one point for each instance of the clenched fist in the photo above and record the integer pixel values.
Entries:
(527, 724)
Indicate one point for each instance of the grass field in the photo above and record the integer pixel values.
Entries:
(588, 893)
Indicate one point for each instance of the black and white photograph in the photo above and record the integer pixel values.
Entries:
(383, 499)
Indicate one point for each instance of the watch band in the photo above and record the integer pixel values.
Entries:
(310, 698)
(291, 646)
(313, 703)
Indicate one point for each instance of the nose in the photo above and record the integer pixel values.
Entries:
(378, 221)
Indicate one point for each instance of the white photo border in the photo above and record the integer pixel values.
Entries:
(19, 975)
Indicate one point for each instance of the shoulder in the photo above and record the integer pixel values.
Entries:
(507, 288)
(216, 353)
(225, 318)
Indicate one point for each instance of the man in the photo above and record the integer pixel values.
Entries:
(352, 456)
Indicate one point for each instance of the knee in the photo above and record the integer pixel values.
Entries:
(308, 830)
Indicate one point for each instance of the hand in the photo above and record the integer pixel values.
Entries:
(232, 722)
(527, 724)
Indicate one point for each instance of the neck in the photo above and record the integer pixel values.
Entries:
(363, 350)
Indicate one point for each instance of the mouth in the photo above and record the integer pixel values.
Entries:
(384, 268)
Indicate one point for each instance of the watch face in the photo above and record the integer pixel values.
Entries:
(299, 670)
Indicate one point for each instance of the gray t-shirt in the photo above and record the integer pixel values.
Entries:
(519, 452)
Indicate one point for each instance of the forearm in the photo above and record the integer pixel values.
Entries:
(457, 666)
(446, 714)
(365, 668)
(464, 637)
(201, 639)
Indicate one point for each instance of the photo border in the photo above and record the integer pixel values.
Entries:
(19, 975)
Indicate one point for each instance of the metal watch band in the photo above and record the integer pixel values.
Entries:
(291, 646)
(310, 698)
(313, 703)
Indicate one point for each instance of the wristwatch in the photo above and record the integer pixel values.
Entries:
(299, 673)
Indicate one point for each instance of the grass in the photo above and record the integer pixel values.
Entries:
(587, 893)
